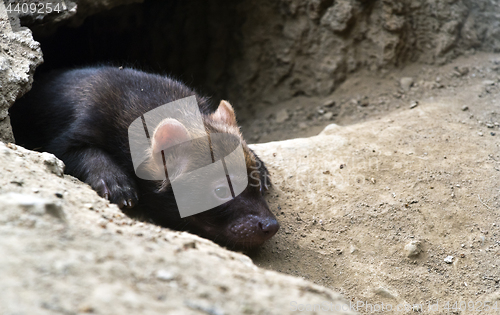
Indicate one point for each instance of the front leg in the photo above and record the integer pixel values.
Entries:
(97, 168)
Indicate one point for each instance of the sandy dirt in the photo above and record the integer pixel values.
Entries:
(376, 205)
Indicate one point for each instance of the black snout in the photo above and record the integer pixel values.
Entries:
(268, 228)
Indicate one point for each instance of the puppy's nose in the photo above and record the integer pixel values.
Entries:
(267, 228)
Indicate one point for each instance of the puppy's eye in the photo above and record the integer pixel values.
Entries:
(221, 192)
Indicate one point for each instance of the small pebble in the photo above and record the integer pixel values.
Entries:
(465, 108)
(327, 116)
(102, 223)
(462, 70)
(302, 125)
(58, 195)
(164, 275)
(413, 104)
(353, 249)
(53, 164)
(86, 309)
(448, 259)
(282, 116)
(406, 83)
(480, 134)
(329, 103)
(413, 248)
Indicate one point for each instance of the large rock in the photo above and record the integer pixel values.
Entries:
(19, 56)
(292, 47)
(66, 250)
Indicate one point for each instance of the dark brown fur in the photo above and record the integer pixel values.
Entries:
(83, 115)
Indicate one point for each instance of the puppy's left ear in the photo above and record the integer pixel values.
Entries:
(225, 113)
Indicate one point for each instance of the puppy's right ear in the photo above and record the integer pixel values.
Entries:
(168, 133)
(225, 113)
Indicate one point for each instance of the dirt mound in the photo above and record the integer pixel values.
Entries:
(400, 210)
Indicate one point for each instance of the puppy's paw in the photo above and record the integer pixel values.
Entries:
(118, 191)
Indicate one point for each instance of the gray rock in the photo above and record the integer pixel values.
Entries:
(19, 56)
(282, 116)
(385, 293)
(406, 83)
(52, 163)
(413, 249)
(338, 16)
(353, 249)
(329, 103)
(165, 275)
(448, 259)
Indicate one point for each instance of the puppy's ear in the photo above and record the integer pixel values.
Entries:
(168, 133)
(225, 113)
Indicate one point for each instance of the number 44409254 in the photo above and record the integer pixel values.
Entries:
(32, 8)
(471, 306)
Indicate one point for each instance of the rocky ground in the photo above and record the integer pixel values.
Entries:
(400, 202)
(65, 250)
